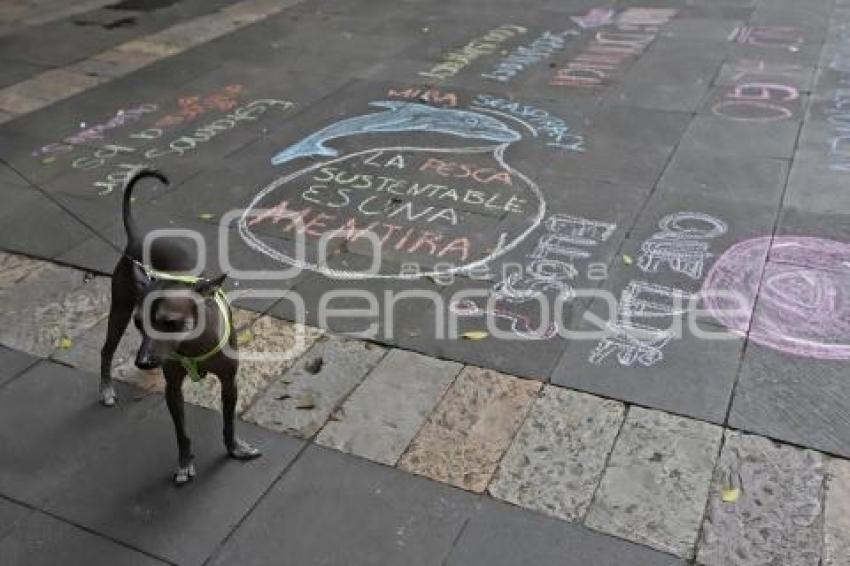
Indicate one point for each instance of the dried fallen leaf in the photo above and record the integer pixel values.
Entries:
(730, 494)
(475, 335)
(627, 259)
(65, 343)
(244, 337)
(305, 401)
(49, 159)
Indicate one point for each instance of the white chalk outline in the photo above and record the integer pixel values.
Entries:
(252, 241)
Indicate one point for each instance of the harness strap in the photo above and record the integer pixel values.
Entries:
(191, 363)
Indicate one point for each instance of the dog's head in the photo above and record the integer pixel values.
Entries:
(167, 314)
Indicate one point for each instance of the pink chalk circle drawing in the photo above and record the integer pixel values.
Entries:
(799, 299)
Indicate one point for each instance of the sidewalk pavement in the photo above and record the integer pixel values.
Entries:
(680, 147)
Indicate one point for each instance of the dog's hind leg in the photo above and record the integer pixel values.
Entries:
(120, 311)
(236, 447)
(174, 375)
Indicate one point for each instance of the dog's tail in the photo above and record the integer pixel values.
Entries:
(132, 229)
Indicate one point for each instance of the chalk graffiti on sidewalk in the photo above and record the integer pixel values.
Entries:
(803, 292)
(412, 210)
(641, 326)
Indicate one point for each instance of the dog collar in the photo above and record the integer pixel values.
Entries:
(192, 363)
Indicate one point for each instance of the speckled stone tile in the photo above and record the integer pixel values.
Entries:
(383, 414)
(84, 354)
(836, 540)
(469, 432)
(15, 267)
(777, 515)
(556, 460)
(267, 347)
(49, 306)
(656, 484)
(302, 399)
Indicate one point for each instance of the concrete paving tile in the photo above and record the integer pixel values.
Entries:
(656, 484)
(694, 171)
(331, 508)
(268, 347)
(10, 514)
(302, 399)
(777, 516)
(41, 540)
(43, 323)
(382, 416)
(712, 134)
(502, 535)
(23, 223)
(556, 460)
(793, 398)
(471, 428)
(36, 464)
(13, 363)
(836, 541)
(141, 507)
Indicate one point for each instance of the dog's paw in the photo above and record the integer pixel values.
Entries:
(184, 475)
(241, 450)
(108, 397)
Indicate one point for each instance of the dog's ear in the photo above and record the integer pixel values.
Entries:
(207, 287)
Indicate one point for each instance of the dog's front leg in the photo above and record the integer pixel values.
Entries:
(120, 312)
(174, 375)
(236, 447)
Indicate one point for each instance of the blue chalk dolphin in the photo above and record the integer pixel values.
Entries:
(401, 117)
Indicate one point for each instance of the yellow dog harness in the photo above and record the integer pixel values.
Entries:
(191, 363)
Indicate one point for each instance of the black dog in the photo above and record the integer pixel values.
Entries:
(171, 306)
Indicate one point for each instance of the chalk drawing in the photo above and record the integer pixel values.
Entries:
(535, 215)
(521, 324)
(537, 120)
(543, 47)
(401, 117)
(681, 243)
(455, 60)
(803, 294)
(638, 342)
(784, 37)
(594, 18)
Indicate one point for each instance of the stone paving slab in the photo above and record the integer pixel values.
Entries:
(268, 347)
(772, 399)
(556, 461)
(13, 363)
(40, 540)
(141, 507)
(656, 484)
(383, 414)
(331, 508)
(41, 323)
(836, 541)
(305, 396)
(470, 429)
(501, 535)
(776, 512)
(37, 464)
